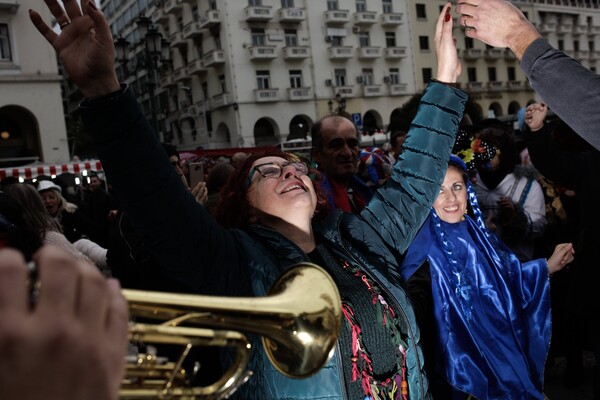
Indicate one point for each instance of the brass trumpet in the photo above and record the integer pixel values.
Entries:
(299, 323)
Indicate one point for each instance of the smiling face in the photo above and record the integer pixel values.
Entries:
(282, 196)
(451, 203)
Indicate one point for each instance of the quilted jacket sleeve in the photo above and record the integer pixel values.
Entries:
(399, 208)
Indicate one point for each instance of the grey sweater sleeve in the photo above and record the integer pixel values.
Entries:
(568, 88)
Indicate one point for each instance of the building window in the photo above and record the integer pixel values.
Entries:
(337, 41)
(363, 39)
(427, 74)
(492, 74)
(5, 51)
(561, 44)
(287, 3)
(469, 44)
(258, 37)
(512, 73)
(262, 79)
(180, 22)
(421, 11)
(204, 88)
(361, 5)
(472, 74)
(367, 76)
(424, 42)
(591, 45)
(255, 3)
(222, 83)
(332, 4)
(291, 37)
(295, 78)
(340, 77)
(217, 40)
(212, 4)
(394, 76)
(387, 6)
(390, 39)
(576, 45)
(196, 12)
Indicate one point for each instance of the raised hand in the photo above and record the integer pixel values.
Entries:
(84, 46)
(449, 67)
(497, 23)
(535, 115)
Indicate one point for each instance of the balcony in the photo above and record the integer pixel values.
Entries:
(159, 16)
(196, 67)
(509, 55)
(214, 57)
(258, 13)
(292, 15)
(580, 29)
(346, 91)
(564, 28)
(394, 53)
(493, 54)
(495, 86)
(391, 19)
(582, 54)
(266, 95)
(594, 55)
(593, 30)
(9, 6)
(368, 53)
(172, 6)
(337, 17)
(167, 80)
(177, 40)
(220, 100)
(180, 74)
(297, 94)
(547, 27)
(372, 90)
(262, 53)
(192, 30)
(296, 52)
(210, 19)
(515, 86)
(398, 89)
(340, 52)
(472, 54)
(365, 18)
(475, 87)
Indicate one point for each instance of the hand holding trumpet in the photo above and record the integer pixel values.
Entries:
(72, 344)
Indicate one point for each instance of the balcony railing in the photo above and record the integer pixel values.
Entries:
(372, 90)
(564, 28)
(302, 93)
(391, 19)
(515, 86)
(495, 86)
(347, 91)
(340, 52)
(582, 54)
(475, 87)
(493, 54)
(159, 16)
(192, 30)
(220, 100)
(365, 17)
(258, 13)
(266, 95)
(337, 17)
(368, 53)
(172, 6)
(10, 6)
(580, 29)
(262, 52)
(398, 89)
(472, 54)
(214, 57)
(509, 55)
(393, 53)
(292, 14)
(196, 67)
(167, 80)
(210, 19)
(296, 52)
(177, 39)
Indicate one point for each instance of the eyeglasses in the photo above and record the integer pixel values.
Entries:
(275, 170)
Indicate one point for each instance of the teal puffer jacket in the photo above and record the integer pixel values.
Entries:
(206, 258)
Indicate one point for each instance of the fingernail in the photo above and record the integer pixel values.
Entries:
(447, 17)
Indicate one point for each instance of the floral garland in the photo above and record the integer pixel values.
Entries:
(395, 387)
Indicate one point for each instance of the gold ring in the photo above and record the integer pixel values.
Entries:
(64, 24)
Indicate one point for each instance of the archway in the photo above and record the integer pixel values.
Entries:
(496, 110)
(372, 122)
(265, 132)
(221, 136)
(19, 136)
(513, 107)
(299, 127)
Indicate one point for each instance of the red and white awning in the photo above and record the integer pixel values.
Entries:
(30, 172)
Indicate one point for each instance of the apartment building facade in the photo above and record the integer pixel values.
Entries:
(32, 124)
(259, 72)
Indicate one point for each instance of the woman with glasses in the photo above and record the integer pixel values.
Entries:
(276, 217)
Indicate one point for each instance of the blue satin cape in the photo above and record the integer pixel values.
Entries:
(492, 314)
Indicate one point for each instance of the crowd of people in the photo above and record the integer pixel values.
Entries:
(439, 249)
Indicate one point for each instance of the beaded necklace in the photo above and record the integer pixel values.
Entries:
(396, 386)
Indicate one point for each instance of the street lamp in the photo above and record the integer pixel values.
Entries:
(341, 105)
(155, 58)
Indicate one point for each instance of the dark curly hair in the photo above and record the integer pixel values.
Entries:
(235, 211)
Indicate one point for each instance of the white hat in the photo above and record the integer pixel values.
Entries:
(46, 185)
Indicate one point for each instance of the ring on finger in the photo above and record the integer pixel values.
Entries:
(64, 24)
